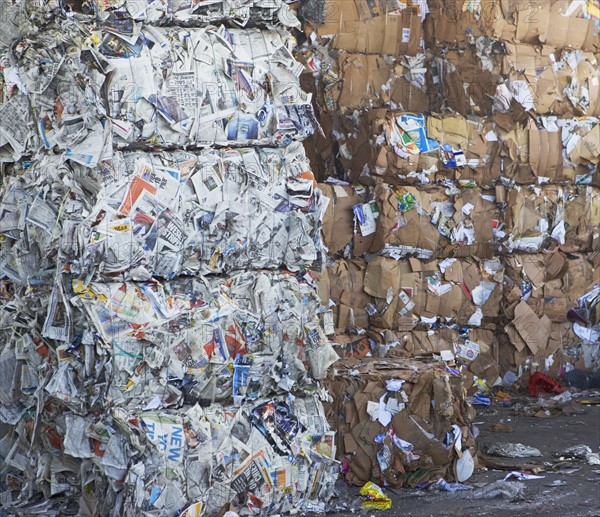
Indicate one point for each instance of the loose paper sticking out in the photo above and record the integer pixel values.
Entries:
(366, 215)
(469, 350)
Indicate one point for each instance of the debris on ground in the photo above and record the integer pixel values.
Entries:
(374, 498)
(509, 490)
(513, 450)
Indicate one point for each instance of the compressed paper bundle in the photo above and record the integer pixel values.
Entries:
(563, 215)
(158, 215)
(157, 461)
(161, 87)
(183, 12)
(429, 221)
(244, 337)
(490, 76)
(389, 294)
(404, 148)
(400, 422)
(419, 149)
(176, 341)
(554, 22)
(373, 27)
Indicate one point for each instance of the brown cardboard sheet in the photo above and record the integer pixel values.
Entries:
(366, 26)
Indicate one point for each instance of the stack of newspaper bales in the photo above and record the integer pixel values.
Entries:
(161, 342)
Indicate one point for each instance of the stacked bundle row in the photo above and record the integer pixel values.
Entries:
(162, 349)
(156, 87)
(462, 166)
(163, 214)
(410, 149)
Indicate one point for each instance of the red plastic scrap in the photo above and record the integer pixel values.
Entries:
(541, 383)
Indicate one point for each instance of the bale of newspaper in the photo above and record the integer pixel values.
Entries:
(144, 215)
(125, 15)
(159, 87)
(156, 395)
(400, 422)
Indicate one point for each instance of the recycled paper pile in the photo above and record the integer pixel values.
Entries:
(462, 161)
(401, 423)
(161, 344)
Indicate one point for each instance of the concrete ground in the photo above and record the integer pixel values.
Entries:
(558, 494)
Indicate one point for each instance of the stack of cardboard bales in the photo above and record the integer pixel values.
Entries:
(462, 166)
(532, 71)
(382, 281)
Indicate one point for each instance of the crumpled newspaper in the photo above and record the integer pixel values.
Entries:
(259, 456)
(509, 490)
(513, 450)
(242, 337)
(185, 12)
(123, 15)
(103, 376)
